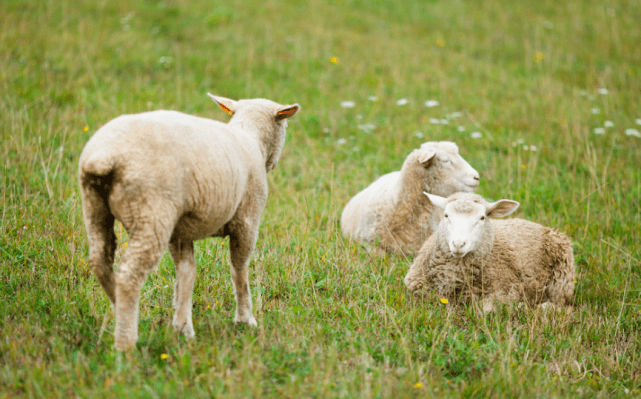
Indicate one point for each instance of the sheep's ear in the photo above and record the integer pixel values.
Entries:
(426, 156)
(501, 208)
(225, 104)
(287, 111)
(436, 200)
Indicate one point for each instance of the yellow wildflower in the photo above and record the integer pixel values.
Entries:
(440, 42)
(164, 356)
(334, 60)
(418, 385)
(538, 57)
(445, 301)
(86, 129)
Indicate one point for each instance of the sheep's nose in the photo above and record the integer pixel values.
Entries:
(477, 178)
(458, 244)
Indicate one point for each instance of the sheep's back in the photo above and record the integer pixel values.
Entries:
(526, 243)
(198, 166)
(362, 214)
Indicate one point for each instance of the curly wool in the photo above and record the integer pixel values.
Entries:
(518, 261)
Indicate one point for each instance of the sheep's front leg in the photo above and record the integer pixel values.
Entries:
(242, 239)
(415, 279)
(182, 253)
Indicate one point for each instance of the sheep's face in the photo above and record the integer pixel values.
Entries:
(448, 172)
(466, 225)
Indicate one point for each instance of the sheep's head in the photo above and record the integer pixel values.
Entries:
(266, 117)
(446, 171)
(465, 225)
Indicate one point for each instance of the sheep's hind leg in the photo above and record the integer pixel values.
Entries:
(142, 255)
(102, 240)
(242, 239)
(182, 253)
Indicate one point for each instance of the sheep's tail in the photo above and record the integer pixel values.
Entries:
(97, 173)
(98, 164)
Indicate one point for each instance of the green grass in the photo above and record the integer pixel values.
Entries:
(333, 320)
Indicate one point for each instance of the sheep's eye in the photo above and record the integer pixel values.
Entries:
(445, 215)
(482, 217)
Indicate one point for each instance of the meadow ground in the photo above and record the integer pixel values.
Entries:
(542, 98)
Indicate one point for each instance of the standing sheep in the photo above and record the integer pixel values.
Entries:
(393, 214)
(172, 178)
(472, 256)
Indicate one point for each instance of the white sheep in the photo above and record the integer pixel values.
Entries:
(172, 178)
(392, 214)
(474, 257)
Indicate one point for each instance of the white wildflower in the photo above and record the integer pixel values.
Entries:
(595, 111)
(632, 132)
(431, 103)
(341, 141)
(367, 127)
(603, 91)
(609, 124)
(402, 101)
(461, 128)
(356, 149)
(599, 130)
(347, 104)
(638, 121)
(455, 115)
(435, 121)
(445, 122)
(533, 148)
(359, 116)
(520, 141)
(325, 130)
(476, 135)
(418, 134)
(372, 98)
(525, 147)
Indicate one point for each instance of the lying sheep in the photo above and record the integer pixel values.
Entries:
(172, 178)
(472, 256)
(393, 214)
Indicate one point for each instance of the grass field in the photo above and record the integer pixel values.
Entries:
(552, 87)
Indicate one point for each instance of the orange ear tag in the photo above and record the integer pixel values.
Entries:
(287, 112)
(226, 109)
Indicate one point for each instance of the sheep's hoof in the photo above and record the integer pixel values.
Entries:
(185, 328)
(123, 344)
(249, 320)
(488, 306)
